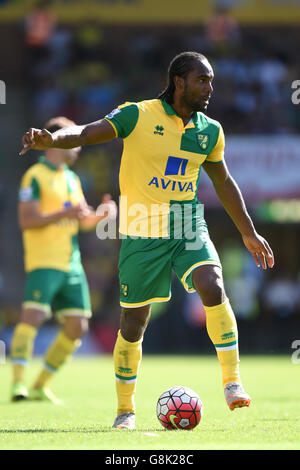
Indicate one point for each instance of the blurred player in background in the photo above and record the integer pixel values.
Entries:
(52, 208)
(166, 143)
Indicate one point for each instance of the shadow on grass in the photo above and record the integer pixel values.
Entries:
(77, 430)
(279, 419)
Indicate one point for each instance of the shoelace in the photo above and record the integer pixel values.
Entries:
(232, 387)
(125, 420)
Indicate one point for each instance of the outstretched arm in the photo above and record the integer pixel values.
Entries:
(69, 137)
(232, 200)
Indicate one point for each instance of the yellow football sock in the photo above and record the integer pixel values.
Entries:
(127, 359)
(222, 330)
(21, 349)
(59, 352)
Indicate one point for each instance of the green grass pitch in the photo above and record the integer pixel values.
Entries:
(87, 387)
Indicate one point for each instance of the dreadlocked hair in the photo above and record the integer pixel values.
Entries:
(180, 66)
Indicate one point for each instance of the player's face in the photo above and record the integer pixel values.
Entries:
(198, 86)
(71, 155)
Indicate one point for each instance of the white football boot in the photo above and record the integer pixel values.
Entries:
(235, 395)
(125, 420)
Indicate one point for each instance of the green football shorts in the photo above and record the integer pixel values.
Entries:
(66, 292)
(146, 265)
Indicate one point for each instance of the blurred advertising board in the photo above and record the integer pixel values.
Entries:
(157, 11)
(265, 168)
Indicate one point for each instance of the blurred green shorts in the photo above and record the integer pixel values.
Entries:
(67, 293)
(146, 265)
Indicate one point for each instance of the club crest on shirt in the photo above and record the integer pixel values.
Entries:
(203, 141)
(37, 294)
(124, 289)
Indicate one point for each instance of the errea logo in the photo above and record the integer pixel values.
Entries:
(159, 130)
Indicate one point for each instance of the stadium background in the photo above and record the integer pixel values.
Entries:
(83, 58)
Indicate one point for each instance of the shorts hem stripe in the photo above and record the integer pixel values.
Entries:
(146, 302)
(74, 312)
(200, 263)
(37, 306)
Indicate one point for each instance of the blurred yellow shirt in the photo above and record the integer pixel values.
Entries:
(55, 245)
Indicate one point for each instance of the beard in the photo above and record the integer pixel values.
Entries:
(195, 104)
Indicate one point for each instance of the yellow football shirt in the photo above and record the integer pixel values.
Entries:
(55, 245)
(161, 162)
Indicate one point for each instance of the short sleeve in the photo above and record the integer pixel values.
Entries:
(217, 153)
(124, 119)
(29, 188)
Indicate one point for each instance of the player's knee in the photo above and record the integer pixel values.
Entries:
(134, 322)
(33, 317)
(76, 327)
(209, 285)
(84, 326)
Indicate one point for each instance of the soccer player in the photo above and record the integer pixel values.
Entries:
(52, 207)
(166, 143)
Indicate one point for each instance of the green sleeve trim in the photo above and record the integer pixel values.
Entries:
(35, 188)
(125, 120)
(217, 150)
(29, 192)
(208, 161)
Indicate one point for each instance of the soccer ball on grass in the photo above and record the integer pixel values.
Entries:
(179, 408)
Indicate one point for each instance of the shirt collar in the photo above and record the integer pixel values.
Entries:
(171, 112)
(50, 165)
(168, 108)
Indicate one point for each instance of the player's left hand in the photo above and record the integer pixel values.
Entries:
(108, 208)
(36, 139)
(86, 210)
(260, 250)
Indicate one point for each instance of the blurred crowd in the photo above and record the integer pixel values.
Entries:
(86, 70)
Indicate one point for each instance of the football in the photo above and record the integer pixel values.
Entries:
(179, 408)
